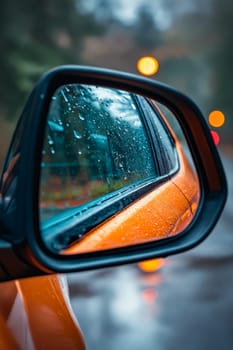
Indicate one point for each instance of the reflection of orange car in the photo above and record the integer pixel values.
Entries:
(165, 211)
(126, 225)
(111, 167)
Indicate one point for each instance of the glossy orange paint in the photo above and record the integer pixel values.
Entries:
(164, 212)
(35, 314)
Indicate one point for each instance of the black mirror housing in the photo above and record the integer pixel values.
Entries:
(20, 183)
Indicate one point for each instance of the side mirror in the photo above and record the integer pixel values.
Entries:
(106, 168)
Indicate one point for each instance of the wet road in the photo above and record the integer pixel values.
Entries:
(187, 304)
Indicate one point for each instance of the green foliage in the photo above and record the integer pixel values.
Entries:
(35, 36)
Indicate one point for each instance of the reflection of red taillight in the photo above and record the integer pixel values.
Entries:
(151, 265)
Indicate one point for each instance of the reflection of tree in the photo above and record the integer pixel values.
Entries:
(94, 127)
(96, 135)
(146, 33)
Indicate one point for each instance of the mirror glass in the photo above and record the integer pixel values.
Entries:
(115, 171)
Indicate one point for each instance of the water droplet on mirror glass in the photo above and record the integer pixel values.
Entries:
(64, 96)
(77, 135)
(81, 117)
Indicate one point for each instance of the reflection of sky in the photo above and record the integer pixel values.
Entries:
(118, 102)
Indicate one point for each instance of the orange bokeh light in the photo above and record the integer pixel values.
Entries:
(148, 65)
(216, 119)
(151, 265)
(215, 137)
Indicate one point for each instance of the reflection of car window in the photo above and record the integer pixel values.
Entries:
(165, 143)
(168, 146)
(95, 144)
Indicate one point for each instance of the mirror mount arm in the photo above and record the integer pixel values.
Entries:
(13, 265)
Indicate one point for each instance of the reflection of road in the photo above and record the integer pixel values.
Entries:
(188, 304)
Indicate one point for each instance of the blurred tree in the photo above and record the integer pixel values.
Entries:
(146, 33)
(105, 11)
(35, 36)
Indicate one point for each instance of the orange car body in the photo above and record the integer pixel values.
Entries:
(35, 314)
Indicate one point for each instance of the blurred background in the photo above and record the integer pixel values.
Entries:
(191, 40)
(191, 45)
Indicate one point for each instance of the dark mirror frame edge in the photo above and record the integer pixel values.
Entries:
(25, 247)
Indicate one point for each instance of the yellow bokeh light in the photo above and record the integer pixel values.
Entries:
(148, 65)
(216, 119)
